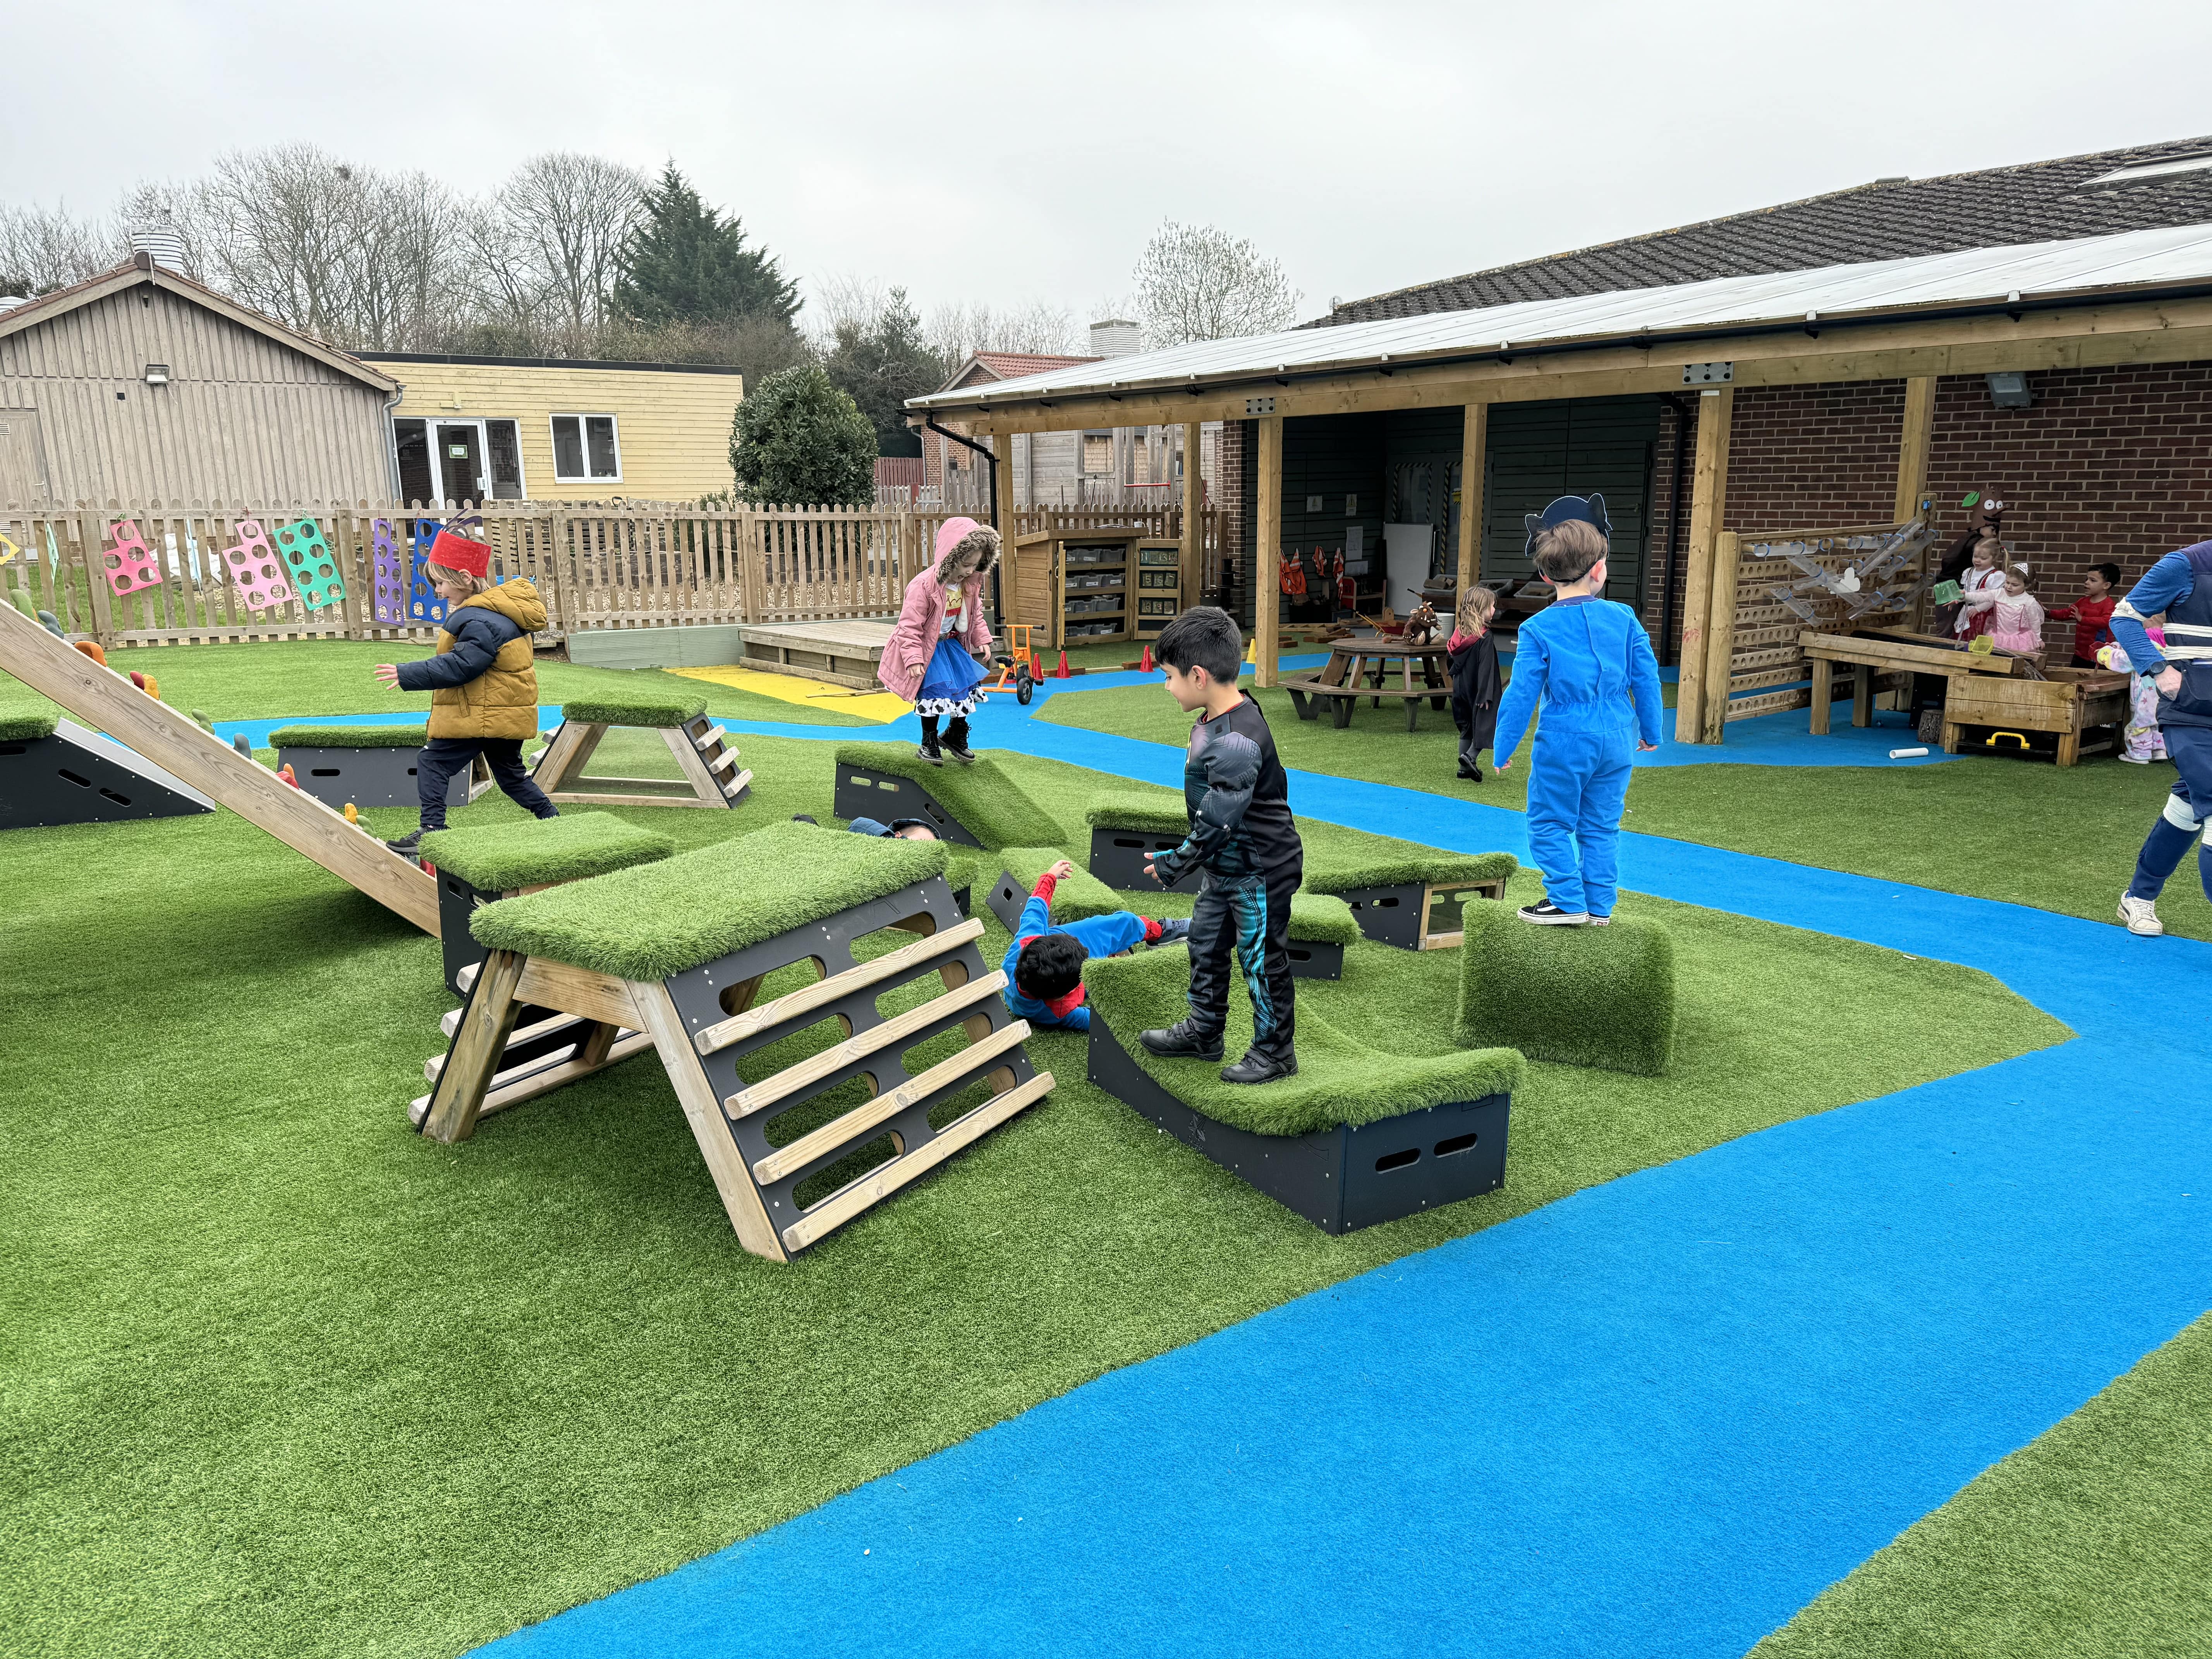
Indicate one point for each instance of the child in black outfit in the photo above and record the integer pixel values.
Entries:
(1244, 843)
(1471, 654)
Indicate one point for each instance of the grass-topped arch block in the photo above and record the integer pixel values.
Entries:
(1358, 1136)
(1602, 997)
(368, 765)
(704, 756)
(976, 805)
(1417, 901)
(759, 969)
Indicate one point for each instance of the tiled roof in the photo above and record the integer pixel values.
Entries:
(2036, 201)
(1007, 366)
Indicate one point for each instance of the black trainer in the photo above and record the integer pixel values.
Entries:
(1258, 1066)
(1549, 914)
(409, 845)
(1181, 1042)
(806, 817)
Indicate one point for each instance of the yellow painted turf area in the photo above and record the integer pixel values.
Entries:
(878, 706)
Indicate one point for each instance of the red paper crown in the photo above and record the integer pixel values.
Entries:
(460, 553)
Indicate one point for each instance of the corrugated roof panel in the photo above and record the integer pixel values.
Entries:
(2166, 255)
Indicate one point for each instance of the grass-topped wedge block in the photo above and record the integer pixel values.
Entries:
(1127, 832)
(55, 772)
(1414, 901)
(977, 804)
(1601, 997)
(368, 765)
(1360, 1136)
(700, 770)
(476, 866)
(785, 978)
(1075, 896)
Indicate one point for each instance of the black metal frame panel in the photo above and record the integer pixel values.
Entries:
(78, 776)
(1340, 1179)
(1118, 857)
(1389, 915)
(371, 777)
(865, 792)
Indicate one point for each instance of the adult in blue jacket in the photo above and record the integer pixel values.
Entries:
(1588, 663)
(2180, 585)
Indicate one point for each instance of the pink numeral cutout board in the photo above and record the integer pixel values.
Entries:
(129, 564)
(254, 569)
(391, 603)
(315, 567)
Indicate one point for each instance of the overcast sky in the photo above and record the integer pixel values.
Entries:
(1010, 152)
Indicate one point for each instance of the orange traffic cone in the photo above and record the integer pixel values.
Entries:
(1036, 665)
(1145, 665)
(1061, 673)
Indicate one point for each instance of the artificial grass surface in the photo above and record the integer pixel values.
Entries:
(494, 858)
(348, 736)
(654, 919)
(1341, 1078)
(604, 710)
(2094, 1540)
(1583, 996)
(24, 727)
(1075, 894)
(283, 1378)
(1340, 872)
(983, 796)
(2021, 831)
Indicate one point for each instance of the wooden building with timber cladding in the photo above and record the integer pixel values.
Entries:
(1785, 383)
(143, 384)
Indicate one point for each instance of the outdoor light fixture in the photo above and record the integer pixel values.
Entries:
(157, 375)
(2008, 389)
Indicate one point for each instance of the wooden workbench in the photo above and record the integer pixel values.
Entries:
(1887, 651)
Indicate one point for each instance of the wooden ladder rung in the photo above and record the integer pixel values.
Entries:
(720, 1036)
(840, 1207)
(834, 1059)
(707, 739)
(529, 1084)
(735, 787)
(545, 1028)
(722, 761)
(467, 979)
(861, 1119)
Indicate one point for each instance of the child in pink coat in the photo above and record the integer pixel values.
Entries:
(2015, 614)
(932, 657)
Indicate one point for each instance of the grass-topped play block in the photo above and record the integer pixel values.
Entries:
(705, 758)
(368, 765)
(476, 866)
(55, 772)
(1360, 1136)
(759, 969)
(1601, 997)
(1416, 901)
(977, 804)
(1126, 834)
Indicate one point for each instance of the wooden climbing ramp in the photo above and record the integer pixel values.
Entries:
(107, 702)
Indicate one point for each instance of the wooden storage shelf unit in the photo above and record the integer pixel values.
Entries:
(1078, 586)
(1159, 586)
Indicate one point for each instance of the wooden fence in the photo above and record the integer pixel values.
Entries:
(596, 566)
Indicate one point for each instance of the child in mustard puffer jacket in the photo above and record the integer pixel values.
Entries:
(482, 683)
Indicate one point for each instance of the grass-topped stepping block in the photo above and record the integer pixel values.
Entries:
(977, 804)
(368, 765)
(1602, 997)
(1416, 900)
(706, 760)
(476, 866)
(782, 977)
(55, 772)
(26, 728)
(1126, 833)
(1360, 1135)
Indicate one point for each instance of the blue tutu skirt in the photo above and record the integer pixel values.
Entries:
(949, 685)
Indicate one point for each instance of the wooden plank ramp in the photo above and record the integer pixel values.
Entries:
(108, 703)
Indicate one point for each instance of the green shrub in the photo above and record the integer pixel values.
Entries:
(799, 441)
(1602, 997)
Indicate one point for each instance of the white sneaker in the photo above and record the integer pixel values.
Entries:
(2141, 917)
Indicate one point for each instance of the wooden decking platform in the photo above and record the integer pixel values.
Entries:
(843, 652)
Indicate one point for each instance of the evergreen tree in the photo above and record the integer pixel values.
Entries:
(882, 363)
(685, 263)
(800, 442)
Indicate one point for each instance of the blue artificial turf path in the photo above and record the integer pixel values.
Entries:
(1653, 1417)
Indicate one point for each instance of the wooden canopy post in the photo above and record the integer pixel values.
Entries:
(1474, 446)
(1194, 517)
(1267, 579)
(1708, 494)
(1911, 487)
(1720, 634)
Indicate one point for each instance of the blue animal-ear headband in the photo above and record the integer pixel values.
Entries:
(1567, 509)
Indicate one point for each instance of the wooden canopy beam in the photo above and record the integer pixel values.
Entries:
(1267, 580)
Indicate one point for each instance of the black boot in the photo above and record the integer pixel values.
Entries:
(928, 750)
(1183, 1041)
(1261, 1066)
(956, 741)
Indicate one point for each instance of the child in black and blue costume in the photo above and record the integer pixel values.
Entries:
(2180, 585)
(1589, 662)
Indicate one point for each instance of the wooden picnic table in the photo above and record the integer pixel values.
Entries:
(1357, 668)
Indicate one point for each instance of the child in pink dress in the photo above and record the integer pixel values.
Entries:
(2016, 615)
(1982, 582)
(2142, 742)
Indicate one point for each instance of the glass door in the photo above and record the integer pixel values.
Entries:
(458, 447)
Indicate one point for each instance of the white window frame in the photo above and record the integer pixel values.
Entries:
(584, 441)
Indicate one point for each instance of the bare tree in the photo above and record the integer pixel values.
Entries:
(43, 249)
(554, 242)
(954, 329)
(844, 301)
(1194, 282)
(409, 281)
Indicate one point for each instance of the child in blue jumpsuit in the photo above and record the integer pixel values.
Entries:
(1589, 663)
(2180, 585)
(1044, 964)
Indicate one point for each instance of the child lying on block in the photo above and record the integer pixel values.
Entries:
(1044, 964)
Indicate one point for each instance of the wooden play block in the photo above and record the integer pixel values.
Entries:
(702, 750)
